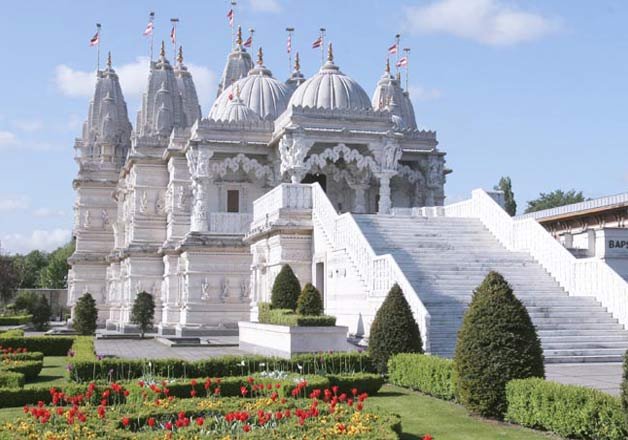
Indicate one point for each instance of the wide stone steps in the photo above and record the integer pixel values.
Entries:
(445, 259)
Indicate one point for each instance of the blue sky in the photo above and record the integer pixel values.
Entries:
(535, 90)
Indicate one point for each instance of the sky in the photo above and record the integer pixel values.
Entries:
(534, 90)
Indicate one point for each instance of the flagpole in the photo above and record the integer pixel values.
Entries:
(290, 30)
(173, 38)
(233, 25)
(98, 31)
(323, 46)
(397, 39)
(151, 19)
(406, 50)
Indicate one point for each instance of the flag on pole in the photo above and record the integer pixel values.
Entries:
(173, 34)
(149, 29)
(289, 44)
(318, 42)
(403, 62)
(393, 49)
(230, 17)
(248, 42)
(95, 39)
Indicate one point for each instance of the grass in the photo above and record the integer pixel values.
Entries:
(421, 414)
(53, 373)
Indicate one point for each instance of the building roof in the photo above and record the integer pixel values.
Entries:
(588, 207)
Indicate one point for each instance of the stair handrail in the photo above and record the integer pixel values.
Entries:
(578, 276)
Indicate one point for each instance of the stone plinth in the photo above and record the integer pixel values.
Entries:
(284, 341)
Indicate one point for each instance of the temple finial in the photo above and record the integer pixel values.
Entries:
(180, 55)
(237, 90)
(162, 51)
(297, 63)
(330, 53)
(387, 65)
(239, 37)
(260, 56)
(109, 60)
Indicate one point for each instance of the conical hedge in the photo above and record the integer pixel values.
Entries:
(85, 315)
(496, 343)
(286, 289)
(310, 301)
(393, 330)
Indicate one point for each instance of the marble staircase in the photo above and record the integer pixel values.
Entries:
(446, 258)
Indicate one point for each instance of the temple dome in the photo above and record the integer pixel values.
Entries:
(389, 95)
(237, 111)
(259, 91)
(330, 89)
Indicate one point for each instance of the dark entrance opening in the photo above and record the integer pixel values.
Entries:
(320, 178)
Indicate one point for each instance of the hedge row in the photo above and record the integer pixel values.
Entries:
(291, 319)
(14, 332)
(15, 319)
(30, 369)
(126, 369)
(28, 356)
(428, 374)
(10, 379)
(369, 383)
(568, 410)
(83, 349)
(48, 345)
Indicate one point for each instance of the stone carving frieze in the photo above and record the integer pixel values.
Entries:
(341, 151)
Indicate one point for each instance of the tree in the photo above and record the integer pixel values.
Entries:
(85, 315)
(286, 289)
(55, 275)
(143, 312)
(9, 278)
(554, 199)
(29, 267)
(496, 343)
(505, 185)
(310, 301)
(393, 330)
(624, 388)
(26, 301)
(41, 313)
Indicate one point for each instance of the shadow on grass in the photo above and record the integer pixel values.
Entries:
(406, 436)
(389, 394)
(43, 379)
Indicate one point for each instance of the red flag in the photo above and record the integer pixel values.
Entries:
(289, 44)
(248, 42)
(403, 62)
(173, 35)
(393, 49)
(230, 16)
(149, 29)
(317, 43)
(95, 39)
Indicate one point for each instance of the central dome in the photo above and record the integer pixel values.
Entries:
(330, 89)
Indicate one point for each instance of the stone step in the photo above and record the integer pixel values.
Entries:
(572, 359)
(575, 345)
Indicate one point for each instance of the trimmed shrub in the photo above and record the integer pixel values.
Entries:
(85, 315)
(14, 397)
(48, 345)
(30, 369)
(26, 301)
(291, 319)
(393, 330)
(83, 349)
(41, 313)
(310, 302)
(431, 375)
(28, 356)
(496, 343)
(143, 312)
(624, 387)
(15, 320)
(286, 289)
(11, 379)
(363, 382)
(567, 410)
(13, 333)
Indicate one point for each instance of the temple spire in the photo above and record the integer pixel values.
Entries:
(330, 53)
(388, 65)
(109, 60)
(239, 37)
(260, 56)
(180, 55)
(297, 63)
(162, 51)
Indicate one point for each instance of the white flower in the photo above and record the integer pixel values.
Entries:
(300, 367)
(242, 363)
(262, 364)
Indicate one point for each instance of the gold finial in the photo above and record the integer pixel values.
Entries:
(330, 54)
(260, 56)
(297, 63)
(239, 37)
(387, 65)
(398, 76)
(237, 87)
(180, 55)
(109, 60)
(162, 51)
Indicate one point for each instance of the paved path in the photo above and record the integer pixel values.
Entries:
(604, 377)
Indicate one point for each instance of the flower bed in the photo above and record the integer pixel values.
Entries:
(143, 412)
(48, 345)
(30, 369)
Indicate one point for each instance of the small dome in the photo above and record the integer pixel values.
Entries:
(390, 96)
(259, 91)
(330, 89)
(237, 111)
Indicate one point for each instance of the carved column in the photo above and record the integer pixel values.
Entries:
(200, 210)
(359, 205)
(385, 203)
(292, 150)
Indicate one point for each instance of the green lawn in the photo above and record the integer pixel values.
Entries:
(421, 414)
(53, 373)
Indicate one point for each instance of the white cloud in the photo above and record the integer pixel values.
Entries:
(48, 213)
(7, 138)
(133, 78)
(10, 203)
(490, 22)
(28, 125)
(418, 93)
(265, 5)
(47, 240)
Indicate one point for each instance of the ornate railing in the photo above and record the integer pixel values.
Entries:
(230, 222)
(579, 277)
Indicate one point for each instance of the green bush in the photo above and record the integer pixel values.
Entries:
(431, 375)
(624, 387)
(143, 312)
(11, 379)
(14, 332)
(310, 302)
(567, 410)
(30, 369)
(369, 383)
(496, 343)
(15, 397)
(25, 301)
(85, 315)
(83, 349)
(286, 289)
(287, 317)
(15, 319)
(393, 330)
(28, 356)
(48, 345)
(41, 313)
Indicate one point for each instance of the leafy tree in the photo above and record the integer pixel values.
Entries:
(394, 330)
(554, 199)
(505, 185)
(9, 278)
(29, 267)
(55, 275)
(143, 312)
(26, 301)
(624, 388)
(496, 343)
(310, 301)
(85, 315)
(41, 313)
(286, 289)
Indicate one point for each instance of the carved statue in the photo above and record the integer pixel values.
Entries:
(159, 204)
(143, 202)
(391, 155)
(225, 289)
(105, 218)
(244, 288)
(205, 289)
(435, 172)
(86, 221)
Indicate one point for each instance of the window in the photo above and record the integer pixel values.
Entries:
(233, 200)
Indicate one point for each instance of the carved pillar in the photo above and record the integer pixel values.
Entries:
(359, 205)
(385, 203)
(200, 210)
(292, 150)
